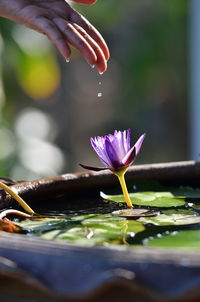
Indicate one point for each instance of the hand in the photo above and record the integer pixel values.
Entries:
(62, 24)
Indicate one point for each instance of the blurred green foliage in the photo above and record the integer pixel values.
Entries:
(31, 73)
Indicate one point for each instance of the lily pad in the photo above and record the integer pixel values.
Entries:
(98, 232)
(85, 229)
(182, 239)
(177, 217)
(151, 199)
(40, 226)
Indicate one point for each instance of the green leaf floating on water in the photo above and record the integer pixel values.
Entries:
(151, 199)
(85, 229)
(174, 217)
(182, 239)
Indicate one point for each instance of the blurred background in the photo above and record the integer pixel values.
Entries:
(49, 108)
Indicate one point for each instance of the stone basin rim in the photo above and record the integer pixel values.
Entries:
(67, 183)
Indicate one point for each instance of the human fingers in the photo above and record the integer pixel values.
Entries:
(101, 62)
(74, 38)
(47, 27)
(88, 2)
(92, 31)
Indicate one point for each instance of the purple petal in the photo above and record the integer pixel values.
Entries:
(138, 144)
(118, 144)
(92, 168)
(129, 157)
(98, 145)
(127, 140)
(113, 156)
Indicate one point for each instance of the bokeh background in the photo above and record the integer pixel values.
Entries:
(50, 108)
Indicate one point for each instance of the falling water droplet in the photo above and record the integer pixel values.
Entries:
(99, 83)
(92, 66)
(99, 94)
(67, 60)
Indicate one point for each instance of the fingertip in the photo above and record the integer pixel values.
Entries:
(107, 54)
(106, 51)
(66, 53)
(63, 48)
(101, 63)
(102, 68)
(89, 56)
(101, 71)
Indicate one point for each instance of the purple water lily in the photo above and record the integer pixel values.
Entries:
(114, 150)
(117, 155)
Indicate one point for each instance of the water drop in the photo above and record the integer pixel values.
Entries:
(67, 60)
(99, 94)
(99, 83)
(92, 66)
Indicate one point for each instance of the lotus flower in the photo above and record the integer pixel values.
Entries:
(115, 153)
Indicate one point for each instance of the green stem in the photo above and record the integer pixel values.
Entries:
(22, 203)
(122, 181)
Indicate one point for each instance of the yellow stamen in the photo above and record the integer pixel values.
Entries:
(122, 181)
(22, 203)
